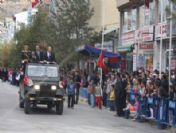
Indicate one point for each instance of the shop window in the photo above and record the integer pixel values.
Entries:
(163, 4)
(130, 20)
(147, 16)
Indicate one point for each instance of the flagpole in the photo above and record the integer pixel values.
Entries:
(170, 43)
(102, 43)
(161, 38)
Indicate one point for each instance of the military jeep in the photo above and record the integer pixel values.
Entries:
(40, 85)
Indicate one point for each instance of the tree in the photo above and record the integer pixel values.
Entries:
(4, 54)
(72, 26)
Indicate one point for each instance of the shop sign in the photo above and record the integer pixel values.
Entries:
(145, 34)
(128, 38)
(161, 30)
(106, 46)
(146, 46)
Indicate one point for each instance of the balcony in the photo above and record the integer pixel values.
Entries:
(125, 4)
(122, 2)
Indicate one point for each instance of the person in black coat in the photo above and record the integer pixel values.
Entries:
(119, 96)
(49, 56)
(77, 80)
(38, 54)
(124, 92)
(165, 83)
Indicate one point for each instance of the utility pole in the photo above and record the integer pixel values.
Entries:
(170, 43)
(102, 43)
(161, 38)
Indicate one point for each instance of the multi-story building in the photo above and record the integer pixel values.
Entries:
(105, 13)
(7, 9)
(144, 34)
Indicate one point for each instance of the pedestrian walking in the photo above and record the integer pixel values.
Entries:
(77, 80)
(71, 93)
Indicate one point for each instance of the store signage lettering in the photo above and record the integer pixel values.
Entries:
(128, 38)
(161, 30)
(146, 46)
(145, 34)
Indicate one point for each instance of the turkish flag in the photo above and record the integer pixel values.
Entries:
(147, 3)
(100, 60)
(101, 63)
(34, 3)
(113, 60)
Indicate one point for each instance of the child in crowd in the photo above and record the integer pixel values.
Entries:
(136, 107)
(98, 96)
(142, 89)
(91, 91)
(127, 109)
(112, 98)
(71, 93)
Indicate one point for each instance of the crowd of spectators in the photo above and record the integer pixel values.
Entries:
(10, 75)
(124, 92)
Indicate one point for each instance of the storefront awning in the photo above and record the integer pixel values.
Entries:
(114, 58)
(90, 50)
(125, 48)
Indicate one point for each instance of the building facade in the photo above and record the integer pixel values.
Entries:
(105, 13)
(144, 34)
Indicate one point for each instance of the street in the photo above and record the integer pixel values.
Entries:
(82, 119)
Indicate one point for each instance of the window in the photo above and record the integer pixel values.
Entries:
(42, 71)
(130, 20)
(147, 16)
(163, 4)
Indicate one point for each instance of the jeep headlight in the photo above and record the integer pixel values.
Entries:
(53, 87)
(30, 83)
(37, 87)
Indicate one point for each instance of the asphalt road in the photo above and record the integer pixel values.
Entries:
(82, 119)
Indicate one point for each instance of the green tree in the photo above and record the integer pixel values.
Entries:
(72, 26)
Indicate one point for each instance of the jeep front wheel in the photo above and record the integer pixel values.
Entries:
(27, 106)
(21, 102)
(59, 107)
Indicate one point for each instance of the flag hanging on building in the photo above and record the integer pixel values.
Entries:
(147, 3)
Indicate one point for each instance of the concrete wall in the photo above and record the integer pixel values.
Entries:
(96, 20)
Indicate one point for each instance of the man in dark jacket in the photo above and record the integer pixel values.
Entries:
(123, 93)
(49, 56)
(164, 83)
(77, 80)
(38, 54)
(119, 96)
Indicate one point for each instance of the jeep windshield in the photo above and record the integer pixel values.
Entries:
(42, 71)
